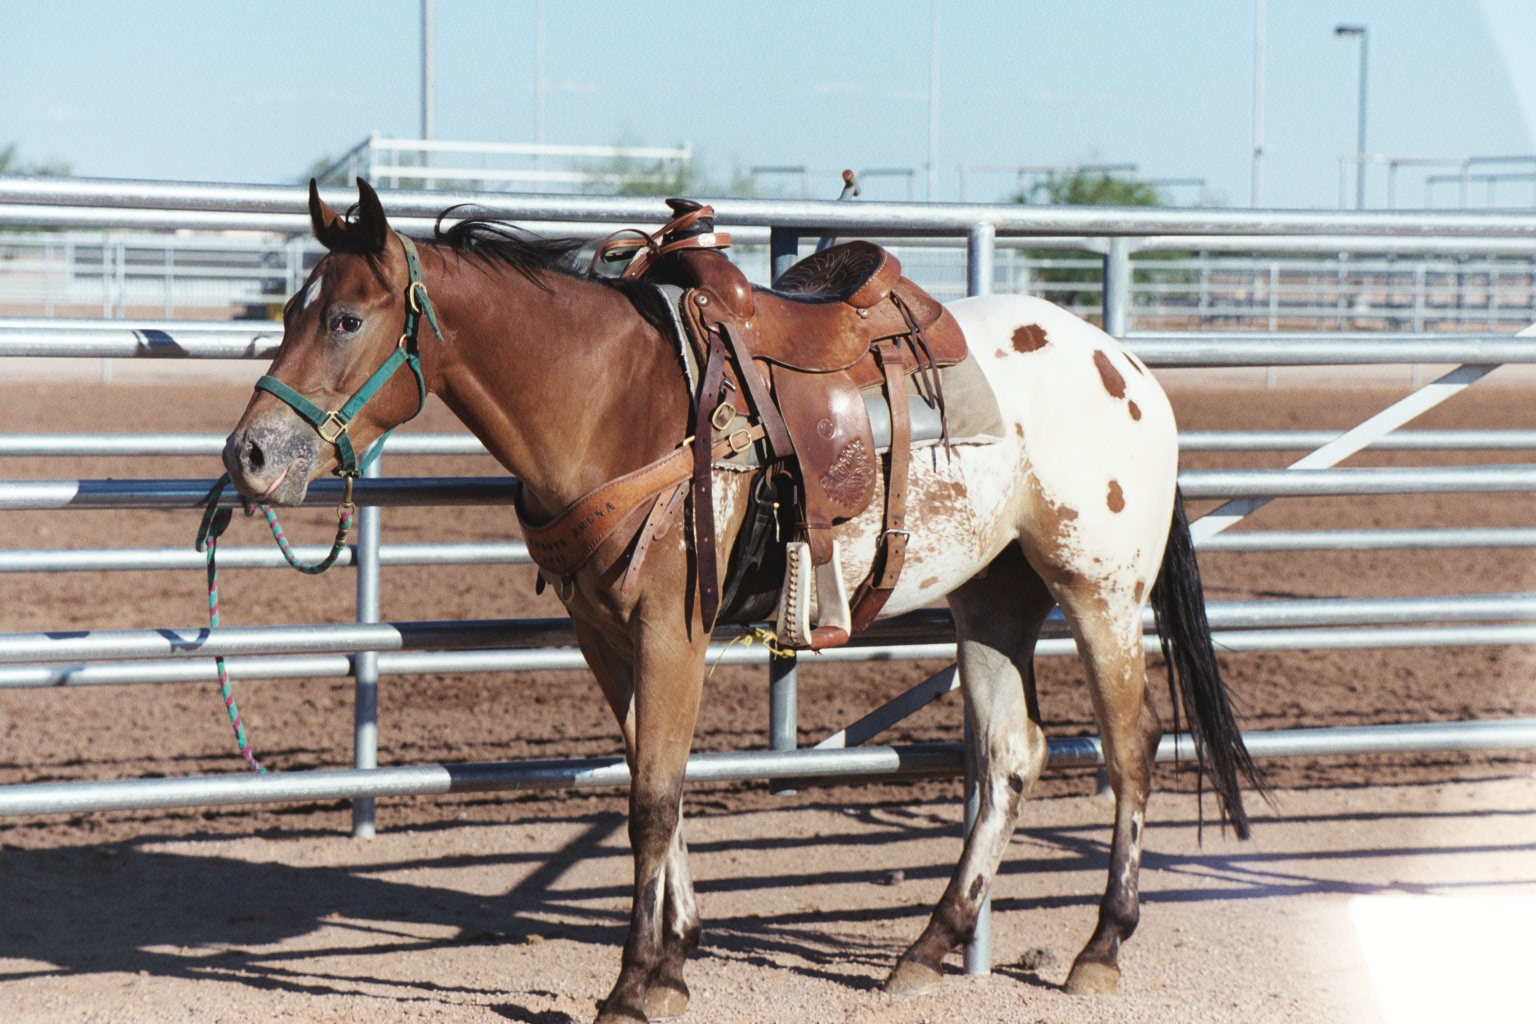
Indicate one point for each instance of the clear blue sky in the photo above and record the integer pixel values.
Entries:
(257, 91)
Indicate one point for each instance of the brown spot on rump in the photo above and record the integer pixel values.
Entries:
(1113, 382)
(1141, 588)
(1135, 410)
(930, 581)
(1116, 499)
(1001, 354)
(1030, 338)
(1018, 428)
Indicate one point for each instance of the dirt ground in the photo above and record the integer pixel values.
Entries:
(490, 907)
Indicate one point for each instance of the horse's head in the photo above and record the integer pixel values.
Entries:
(340, 333)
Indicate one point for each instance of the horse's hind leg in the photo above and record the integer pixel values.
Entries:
(997, 618)
(1109, 637)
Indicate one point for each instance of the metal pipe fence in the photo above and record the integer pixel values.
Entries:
(369, 649)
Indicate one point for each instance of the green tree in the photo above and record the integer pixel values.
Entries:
(11, 163)
(1092, 188)
(325, 171)
(1081, 188)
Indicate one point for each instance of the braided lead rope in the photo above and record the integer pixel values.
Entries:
(215, 521)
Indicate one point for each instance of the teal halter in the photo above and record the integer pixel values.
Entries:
(332, 426)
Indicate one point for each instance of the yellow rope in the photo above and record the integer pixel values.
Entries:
(766, 637)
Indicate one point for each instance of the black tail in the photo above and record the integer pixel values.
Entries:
(1194, 678)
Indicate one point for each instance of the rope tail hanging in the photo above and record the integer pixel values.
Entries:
(215, 521)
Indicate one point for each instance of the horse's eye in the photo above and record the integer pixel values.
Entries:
(346, 323)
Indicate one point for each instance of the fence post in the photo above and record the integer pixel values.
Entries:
(980, 257)
(783, 713)
(783, 681)
(365, 665)
(783, 250)
(979, 253)
(1117, 288)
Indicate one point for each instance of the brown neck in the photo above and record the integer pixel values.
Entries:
(568, 388)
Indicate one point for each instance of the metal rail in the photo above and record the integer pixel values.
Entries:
(844, 218)
(68, 445)
(263, 556)
(252, 339)
(35, 495)
(930, 626)
(516, 553)
(87, 445)
(845, 764)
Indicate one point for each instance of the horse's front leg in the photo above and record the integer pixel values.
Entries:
(664, 925)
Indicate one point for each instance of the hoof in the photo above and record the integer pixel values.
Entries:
(910, 978)
(662, 1002)
(1091, 979)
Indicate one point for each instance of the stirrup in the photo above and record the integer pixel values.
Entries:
(834, 619)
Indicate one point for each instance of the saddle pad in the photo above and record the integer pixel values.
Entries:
(972, 409)
(969, 404)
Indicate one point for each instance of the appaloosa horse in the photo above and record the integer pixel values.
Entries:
(571, 381)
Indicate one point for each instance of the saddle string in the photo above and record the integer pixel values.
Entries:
(927, 366)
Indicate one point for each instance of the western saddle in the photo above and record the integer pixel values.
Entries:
(790, 363)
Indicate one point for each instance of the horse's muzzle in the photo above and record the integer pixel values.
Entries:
(270, 464)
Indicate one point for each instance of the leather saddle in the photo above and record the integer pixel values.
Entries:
(792, 360)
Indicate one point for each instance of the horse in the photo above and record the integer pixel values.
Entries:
(572, 379)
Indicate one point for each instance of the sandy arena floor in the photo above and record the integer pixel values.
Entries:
(509, 907)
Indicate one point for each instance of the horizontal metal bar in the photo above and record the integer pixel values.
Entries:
(64, 445)
(153, 220)
(1355, 245)
(69, 445)
(925, 626)
(949, 218)
(262, 556)
(151, 671)
(912, 761)
(1373, 638)
(142, 339)
(400, 663)
(1167, 349)
(929, 626)
(1370, 540)
(1304, 483)
(410, 491)
(1306, 440)
(395, 492)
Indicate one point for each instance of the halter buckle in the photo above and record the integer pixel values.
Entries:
(336, 423)
(744, 437)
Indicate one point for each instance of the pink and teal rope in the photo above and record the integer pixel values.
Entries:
(215, 521)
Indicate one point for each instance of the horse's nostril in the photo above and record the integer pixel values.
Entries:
(255, 457)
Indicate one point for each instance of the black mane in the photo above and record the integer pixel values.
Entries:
(493, 241)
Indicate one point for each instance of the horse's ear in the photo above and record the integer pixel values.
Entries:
(330, 230)
(372, 226)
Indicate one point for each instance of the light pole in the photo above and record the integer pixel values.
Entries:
(428, 74)
(1358, 30)
(933, 105)
(1258, 101)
